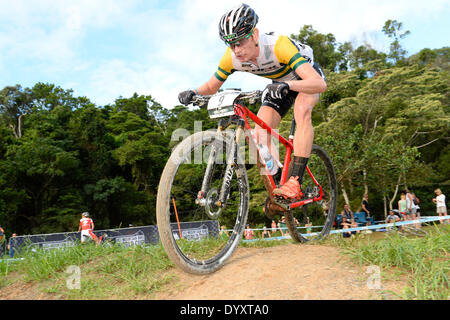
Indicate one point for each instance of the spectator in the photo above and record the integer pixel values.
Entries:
(392, 218)
(346, 224)
(265, 234)
(416, 202)
(2, 240)
(223, 233)
(308, 225)
(365, 206)
(347, 212)
(274, 226)
(441, 208)
(402, 206)
(415, 210)
(282, 226)
(12, 245)
(87, 227)
(248, 233)
(409, 203)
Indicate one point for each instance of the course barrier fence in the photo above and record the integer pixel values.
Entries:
(371, 227)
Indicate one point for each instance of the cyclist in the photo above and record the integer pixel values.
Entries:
(289, 64)
(86, 227)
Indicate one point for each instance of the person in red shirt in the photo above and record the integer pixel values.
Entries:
(86, 227)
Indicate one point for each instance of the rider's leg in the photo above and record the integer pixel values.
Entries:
(304, 133)
(272, 118)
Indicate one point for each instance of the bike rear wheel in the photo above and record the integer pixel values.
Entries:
(189, 227)
(322, 213)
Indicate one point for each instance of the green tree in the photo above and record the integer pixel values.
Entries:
(393, 29)
(324, 46)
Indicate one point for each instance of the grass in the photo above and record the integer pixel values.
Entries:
(113, 272)
(116, 272)
(424, 260)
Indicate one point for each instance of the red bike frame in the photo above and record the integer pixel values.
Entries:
(244, 113)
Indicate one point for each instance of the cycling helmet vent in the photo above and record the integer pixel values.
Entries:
(237, 23)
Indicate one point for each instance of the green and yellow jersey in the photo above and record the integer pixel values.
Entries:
(278, 59)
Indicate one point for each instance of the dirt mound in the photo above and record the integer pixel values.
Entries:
(285, 272)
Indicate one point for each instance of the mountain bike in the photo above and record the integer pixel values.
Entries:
(204, 187)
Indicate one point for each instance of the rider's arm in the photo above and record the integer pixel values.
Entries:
(311, 81)
(287, 53)
(210, 87)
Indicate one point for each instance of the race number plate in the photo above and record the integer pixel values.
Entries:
(222, 104)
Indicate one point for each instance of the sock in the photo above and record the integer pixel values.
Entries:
(298, 168)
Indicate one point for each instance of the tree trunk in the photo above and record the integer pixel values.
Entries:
(344, 193)
(19, 126)
(366, 187)
(395, 192)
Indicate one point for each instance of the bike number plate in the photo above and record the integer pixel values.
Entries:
(222, 104)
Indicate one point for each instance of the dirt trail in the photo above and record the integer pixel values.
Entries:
(289, 272)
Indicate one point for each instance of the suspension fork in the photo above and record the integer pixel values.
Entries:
(201, 196)
(232, 155)
(232, 159)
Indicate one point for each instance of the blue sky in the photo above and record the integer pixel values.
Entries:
(104, 49)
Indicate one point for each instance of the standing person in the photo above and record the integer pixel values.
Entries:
(87, 227)
(402, 206)
(2, 240)
(441, 208)
(274, 226)
(365, 206)
(291, 67)
(416, 202)
(12, 245)
(223, 234)
(409, 204)
(308, 225)
(415, 209)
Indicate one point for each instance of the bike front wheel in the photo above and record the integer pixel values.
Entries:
(197, 232)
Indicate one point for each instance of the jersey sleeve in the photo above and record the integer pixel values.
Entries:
(287, 53)
(225, 67)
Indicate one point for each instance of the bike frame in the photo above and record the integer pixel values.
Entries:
(244, 113)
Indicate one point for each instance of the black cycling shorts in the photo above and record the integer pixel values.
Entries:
(283, 105)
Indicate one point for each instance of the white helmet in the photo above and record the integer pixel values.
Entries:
(237, 23)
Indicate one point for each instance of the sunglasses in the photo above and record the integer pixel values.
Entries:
(240, 42)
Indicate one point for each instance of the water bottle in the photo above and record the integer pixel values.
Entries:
(272, 165)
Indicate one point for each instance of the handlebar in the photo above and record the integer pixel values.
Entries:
(253, 96)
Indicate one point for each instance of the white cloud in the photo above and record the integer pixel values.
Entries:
(178, 45)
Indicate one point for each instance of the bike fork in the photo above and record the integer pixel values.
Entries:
(229, 171)
(232, 159)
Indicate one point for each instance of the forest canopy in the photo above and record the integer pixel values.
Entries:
(384, 120)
